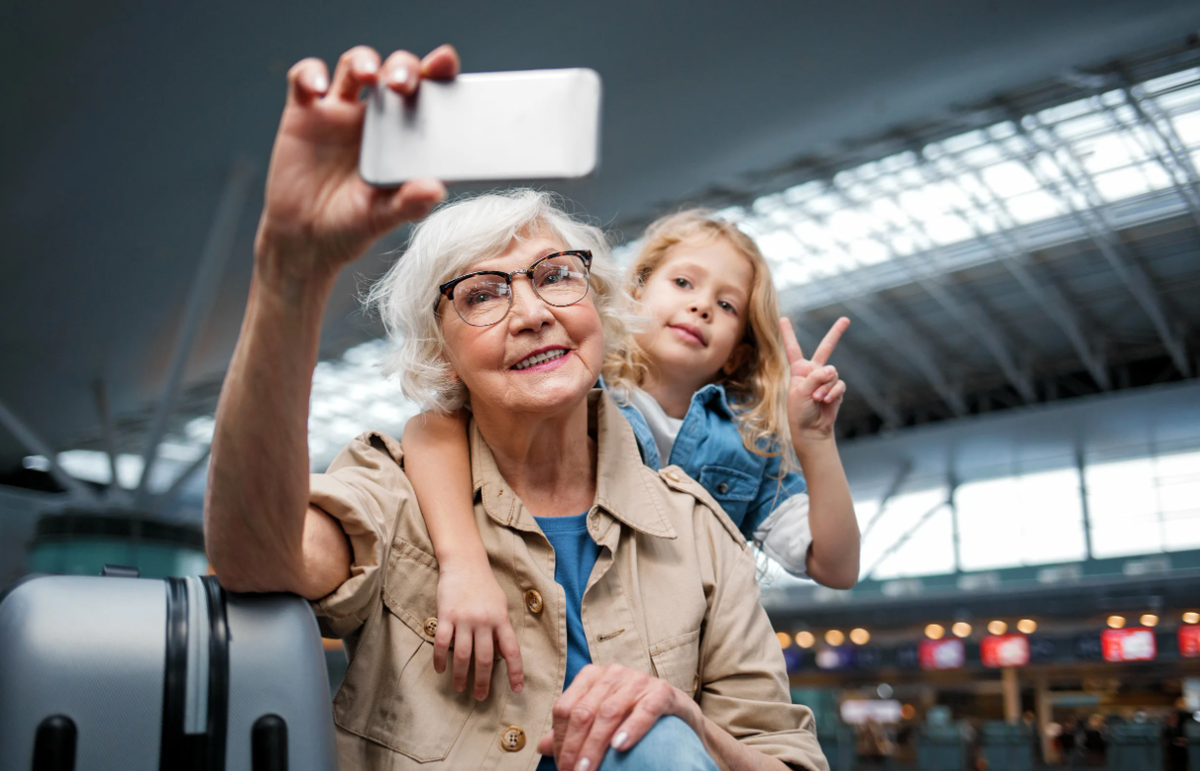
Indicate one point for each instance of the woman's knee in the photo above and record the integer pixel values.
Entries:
(670, 743)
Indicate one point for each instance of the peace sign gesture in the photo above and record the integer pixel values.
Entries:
(814, 390)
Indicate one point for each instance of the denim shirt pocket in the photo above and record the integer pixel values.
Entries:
(733, 489)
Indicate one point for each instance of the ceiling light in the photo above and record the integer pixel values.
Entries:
(1149, 619)
(1027, 626)
(961, 629)
(935, 631)
(997, 627)
(805, 639)
(1116, 622)
(834, 637)
(859, 636)
(785, 639)
(1191, 617)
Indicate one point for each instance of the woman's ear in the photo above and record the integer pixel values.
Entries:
(741, 354)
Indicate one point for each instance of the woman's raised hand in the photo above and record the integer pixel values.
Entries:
(318, 214)
(814, 391)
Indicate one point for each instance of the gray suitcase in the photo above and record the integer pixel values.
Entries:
(130, 674)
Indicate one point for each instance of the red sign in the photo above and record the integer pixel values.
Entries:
(941, 654)
(1189, 641)
(1004, 650)
(1136, 644)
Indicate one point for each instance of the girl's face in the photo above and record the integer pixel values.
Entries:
(698, 300)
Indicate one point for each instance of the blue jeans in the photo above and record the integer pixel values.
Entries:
(669, 744)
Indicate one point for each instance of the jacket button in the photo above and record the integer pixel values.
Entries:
(533, 601)
(431, 626)
(722, 488)
(513, 739)
(672, 476)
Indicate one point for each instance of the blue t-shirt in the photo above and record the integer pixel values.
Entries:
(575, 555)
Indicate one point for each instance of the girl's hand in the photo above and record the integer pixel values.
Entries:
(317, 211)
(814, 391)
(473, 613)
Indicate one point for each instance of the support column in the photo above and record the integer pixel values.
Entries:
(1012, 695)
(1044, 710)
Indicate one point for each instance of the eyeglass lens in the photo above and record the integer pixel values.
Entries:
(559, 280)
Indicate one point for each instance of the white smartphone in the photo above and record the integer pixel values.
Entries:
(482, 127)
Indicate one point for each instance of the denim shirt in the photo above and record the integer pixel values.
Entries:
(709, 449)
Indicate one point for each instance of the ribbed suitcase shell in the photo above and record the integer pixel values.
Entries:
(133, 674)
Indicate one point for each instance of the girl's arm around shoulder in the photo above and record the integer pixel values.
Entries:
(472, 607)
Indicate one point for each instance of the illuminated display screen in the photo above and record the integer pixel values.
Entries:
(1004, 650)
(1189, 641)
(1135, 644)
(942, 654)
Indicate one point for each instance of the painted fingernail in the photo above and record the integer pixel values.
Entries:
(518, 688)
(583, 765)
(368, 66)
(399, 76)
(320, 84)
(619, 741)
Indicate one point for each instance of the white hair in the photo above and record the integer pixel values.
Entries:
(442, 247)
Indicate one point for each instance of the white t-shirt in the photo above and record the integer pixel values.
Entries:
(663, 427)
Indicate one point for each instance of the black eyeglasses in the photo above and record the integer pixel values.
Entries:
(483, 298)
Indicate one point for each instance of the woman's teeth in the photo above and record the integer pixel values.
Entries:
(541, 358)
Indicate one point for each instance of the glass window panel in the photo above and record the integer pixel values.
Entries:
(1066, 111)
(1111, 151)
(895, 163)
(964, 141)
(1121, 184)
(1139, 536)
(1085, 127)
(1120, 490)
(1179, 98)
(1176, 496)
(948, 229)
(1009, 179)
(1182, 533)
(980, 157)
(986, 537)
(1188, 128)
(930, 550)
(1178, 464)
(1034, 206)
(1174, 80)
(903, 513)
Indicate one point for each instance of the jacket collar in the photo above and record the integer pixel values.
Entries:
(624, 487)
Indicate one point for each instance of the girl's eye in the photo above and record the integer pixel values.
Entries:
(727, 307)
(683, 283)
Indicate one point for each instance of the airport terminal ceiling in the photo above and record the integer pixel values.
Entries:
(136, 137)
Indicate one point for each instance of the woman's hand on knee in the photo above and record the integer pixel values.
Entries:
(610, 706)
(318, 214)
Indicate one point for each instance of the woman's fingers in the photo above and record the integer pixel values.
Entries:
(411, 201)
(307, 80)
(510, 651)
(825, 349)
(483, 663)
(441, 644)
(610, 714)
(357, 69)
(402, 72)
(583, 716)
(463, 644)
(641, 719)
(442, 63)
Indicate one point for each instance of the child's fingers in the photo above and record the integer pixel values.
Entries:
(838, 391)
(441, 644)
(825, 349)
(510, 651)
(823, 379)
(463, 644)
(483, 663)
(790, 344)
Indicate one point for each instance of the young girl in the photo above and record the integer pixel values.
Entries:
(715, 384)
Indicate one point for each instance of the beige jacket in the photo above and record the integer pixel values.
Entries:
(673, 593)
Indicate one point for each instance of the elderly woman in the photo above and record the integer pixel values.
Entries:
(631, 589)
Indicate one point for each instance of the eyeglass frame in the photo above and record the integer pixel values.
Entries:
(447, 289)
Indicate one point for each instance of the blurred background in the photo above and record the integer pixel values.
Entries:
(1003, 196)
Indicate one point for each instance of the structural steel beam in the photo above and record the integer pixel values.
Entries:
(893, 487)
(108, 436)
(908, 534)
(1044, 141)
(36, 446)
(1013, 255)
(898, 334)
(972, 319)
(216, 253)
